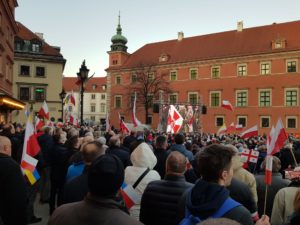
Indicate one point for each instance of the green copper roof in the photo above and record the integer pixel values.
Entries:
(119, 38)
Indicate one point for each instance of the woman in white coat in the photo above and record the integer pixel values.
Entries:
(142, 158)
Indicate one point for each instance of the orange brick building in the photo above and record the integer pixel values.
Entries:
(256, 69)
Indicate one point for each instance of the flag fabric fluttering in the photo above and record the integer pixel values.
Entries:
(44, 112)
(239, 127)
(32, 177)
(29, 163)
(268, 170)
(222, 129)
(249, 155)
(253, 131)
(230, 128)
(227, 105)
(130, 196)
(123, 126)
(135, 120)
(175, 120)
(39, 124)
(72, 98)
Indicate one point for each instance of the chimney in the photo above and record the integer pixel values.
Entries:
(40, 35)
(240, 25)
(180, 36)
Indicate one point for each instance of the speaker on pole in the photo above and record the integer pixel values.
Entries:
(155, 108)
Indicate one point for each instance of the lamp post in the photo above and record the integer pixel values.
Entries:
(62, 96)
(83, 77)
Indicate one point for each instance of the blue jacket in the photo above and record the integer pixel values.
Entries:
(182, 150)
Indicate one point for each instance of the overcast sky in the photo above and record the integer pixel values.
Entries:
(83, 29)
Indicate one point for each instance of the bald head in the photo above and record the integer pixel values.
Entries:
(91, 151)
(176, 163)
(5, 145)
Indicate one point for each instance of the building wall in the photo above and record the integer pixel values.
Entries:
(51, 82)
(228, 84)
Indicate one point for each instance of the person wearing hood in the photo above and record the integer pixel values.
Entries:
(209, 195)
(142, 158)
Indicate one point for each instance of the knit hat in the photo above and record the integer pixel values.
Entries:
(105, 176)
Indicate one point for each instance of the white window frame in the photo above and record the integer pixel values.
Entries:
(260, 67)
(220, 97)
(211, 72)
(190, 73)
(176, 77)
(116, 79)
(291, 117)
(238, 71)
(291, 89)
(219, 116)
(262, 90)
(236, 97)
(291, 60)
(263, 117)
(190, 93)
(246, 119)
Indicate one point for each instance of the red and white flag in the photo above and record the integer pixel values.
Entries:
(130, 196)
(39, 124)
(222, 129)
(239, 127)
(227, 105)
(230, 128)
(44, 112)
(175, 120)
(253, 131)
(73, 119)
(123, 126)
(72, 98)
(278, 138)
(268, 170)
(29, 163)
(135, 120)
(249, 155)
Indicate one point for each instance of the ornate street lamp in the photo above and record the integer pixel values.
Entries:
(83, 76)
(62, 96)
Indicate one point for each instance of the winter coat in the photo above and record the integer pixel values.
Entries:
(205, 198)
(283, 206)
(92, 210)
(243, 175)
(277, 184)
(122, 154)
(13, 196)
(142, 158)
(161, 155)
(160, 201)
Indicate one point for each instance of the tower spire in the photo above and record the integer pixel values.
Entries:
(118, 40)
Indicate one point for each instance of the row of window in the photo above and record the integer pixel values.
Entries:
(32, 93)
(102, 108)
(265, 69)
(33, 45)
(39, 71)
(93, 96)
(265, 121)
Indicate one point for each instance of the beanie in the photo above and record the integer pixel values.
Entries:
(105, 176)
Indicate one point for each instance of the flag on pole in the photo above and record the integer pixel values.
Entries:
(227, 105)
(38, 124)
(175, 120)
(123, 126)
(135, 120)
(239, 127)
(253, 131)
(107, 124)
(44, 112)
(249, 155)
(32, 177)
(268, 170)
(29, 163)
(231, 128)
(278, 138)
(222, 129)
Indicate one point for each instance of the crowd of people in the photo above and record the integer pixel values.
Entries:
(94, 177)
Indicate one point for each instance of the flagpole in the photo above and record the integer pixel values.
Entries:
(266, 193)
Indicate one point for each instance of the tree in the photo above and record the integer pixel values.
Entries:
(147, 82)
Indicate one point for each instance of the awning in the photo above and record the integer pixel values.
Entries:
(8, 102)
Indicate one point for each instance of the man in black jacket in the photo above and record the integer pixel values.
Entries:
(116, 149)
(13, 198)
(209, 193)
(160, 151)
(160, 200)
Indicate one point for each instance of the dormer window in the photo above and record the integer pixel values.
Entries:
(36, 45)
(19, 44)
(163, 57)
(278, 44)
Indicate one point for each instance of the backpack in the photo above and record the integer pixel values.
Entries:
(190, 219)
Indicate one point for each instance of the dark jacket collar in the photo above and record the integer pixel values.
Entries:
(102, 201)
(2, 155)
(174, 177)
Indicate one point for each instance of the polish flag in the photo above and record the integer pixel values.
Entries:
(38, 123)
(231, 128)
(268, 170)
(44, 112)
(239, 127)
(123, 126)
(175, 120)
(278, 138)
(29, 163)
(222, 129)
(253, 131)
(130, 196)
(107, 124)
(227, 105)
(135, 120)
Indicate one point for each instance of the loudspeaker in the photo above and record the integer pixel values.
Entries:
(155, 108)
(204, 109)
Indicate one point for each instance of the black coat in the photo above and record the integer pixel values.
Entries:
(241, 193)
(46, 143)
(160, 200)
(160, 167)
(13, 197)
(122, 154)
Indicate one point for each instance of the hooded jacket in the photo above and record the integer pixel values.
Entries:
(142, 158)
(206, 198)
